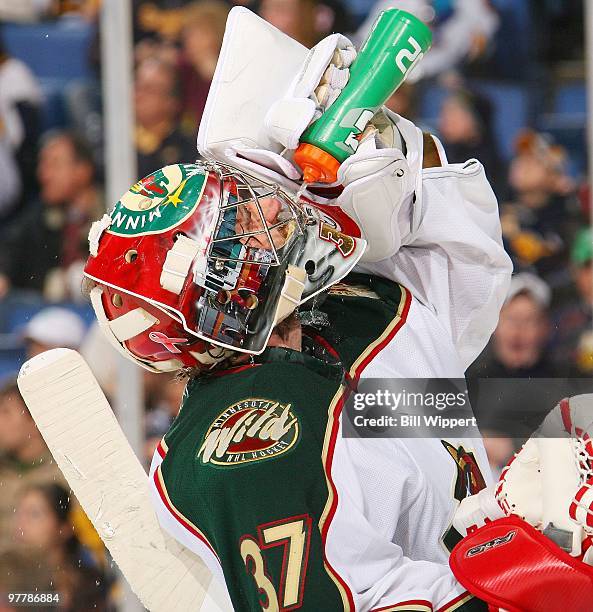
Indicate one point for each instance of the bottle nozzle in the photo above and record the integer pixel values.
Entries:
(311, 174)
(317, 165)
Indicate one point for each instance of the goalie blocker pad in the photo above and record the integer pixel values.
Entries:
(511, 565)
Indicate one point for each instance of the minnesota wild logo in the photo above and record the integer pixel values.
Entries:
(159, 201)
(250, 430)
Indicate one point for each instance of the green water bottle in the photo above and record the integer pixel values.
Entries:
(397, 42)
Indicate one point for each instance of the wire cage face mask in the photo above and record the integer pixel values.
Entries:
(258, 231)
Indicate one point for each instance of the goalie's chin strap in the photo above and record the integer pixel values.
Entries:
(125, 327)
(291, 293)
(137, 321)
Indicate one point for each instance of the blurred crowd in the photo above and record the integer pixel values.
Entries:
(500, 84)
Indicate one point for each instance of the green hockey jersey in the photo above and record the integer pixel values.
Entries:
(255, 476)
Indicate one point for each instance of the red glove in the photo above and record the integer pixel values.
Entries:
(510, 565)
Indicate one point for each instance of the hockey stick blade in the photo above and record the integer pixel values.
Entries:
(90, 448)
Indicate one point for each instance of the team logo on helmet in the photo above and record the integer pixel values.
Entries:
(159, 201)
(250, 430)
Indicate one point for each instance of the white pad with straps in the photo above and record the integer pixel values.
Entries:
(519, 490)
(291, 294)
(132, 323)
(178, 263)
(560, 482)
(104, 323)
(544, 482)
(475, 510)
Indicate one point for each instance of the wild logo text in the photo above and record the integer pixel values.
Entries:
(250, 430)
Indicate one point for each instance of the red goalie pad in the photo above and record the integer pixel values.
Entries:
(511, 565)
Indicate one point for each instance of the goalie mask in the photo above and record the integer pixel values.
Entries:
(197, 260)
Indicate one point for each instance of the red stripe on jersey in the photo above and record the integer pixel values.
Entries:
(160, 450)
(455, 603)
(407, 297)
(377, 349)
(177, 515)
(332, 510)
(323, 342)
(399, 606)
(565, 412)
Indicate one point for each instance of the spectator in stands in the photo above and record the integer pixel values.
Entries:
(42, 523)
(25, 10)
(163, 395)
(20, 102)
(540, 218)
(293, 17)
(573, 324)
(46, 248)
(307, 21)
(88, 9)
(203, 29)
(585, 196)
(517, 350)
(517, 346)
(20, 571)
(562, 21)
(53, 327)
(404, 101)
(162, 19)
(159, 140)
(461, 31)
(24, 457)
(11, 178)
(465, 126)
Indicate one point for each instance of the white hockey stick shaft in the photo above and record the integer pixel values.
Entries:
(90, 448)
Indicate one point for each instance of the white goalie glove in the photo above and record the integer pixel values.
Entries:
(324, 74)
(318, 82)
(548, 483)
(376, 179)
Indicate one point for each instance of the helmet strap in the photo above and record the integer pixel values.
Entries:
(291, 293)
